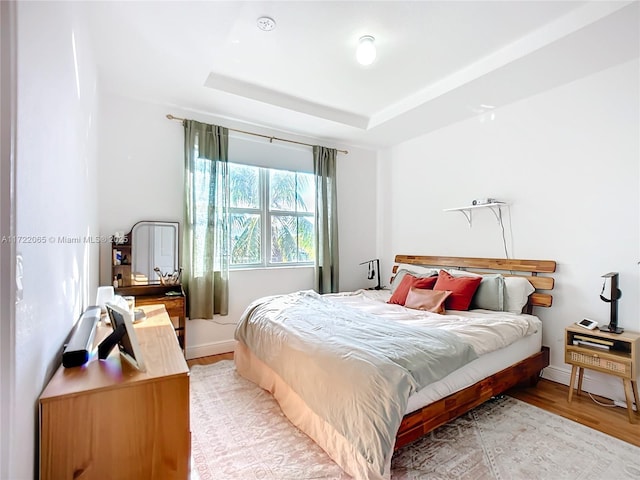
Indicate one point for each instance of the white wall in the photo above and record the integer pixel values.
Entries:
(55, 196)
(141, 157)
(567, 162)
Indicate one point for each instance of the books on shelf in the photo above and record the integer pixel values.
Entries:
(602, 341)
(590, 343)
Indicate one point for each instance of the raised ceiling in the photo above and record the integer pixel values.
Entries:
(438, 62)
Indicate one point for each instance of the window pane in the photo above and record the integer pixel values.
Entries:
(282, 190)
(291, 239)
(284, 241)
(245, 238)
(291, 191)
(306, 197)
(306, 250)
(244, 184)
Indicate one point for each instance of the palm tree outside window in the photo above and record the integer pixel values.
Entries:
(271, 217)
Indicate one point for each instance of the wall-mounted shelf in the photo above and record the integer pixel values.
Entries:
(468, 211)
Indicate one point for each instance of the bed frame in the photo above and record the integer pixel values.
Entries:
(428, 418)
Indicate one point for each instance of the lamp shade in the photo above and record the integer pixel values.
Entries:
(104, 295)
(366, 51)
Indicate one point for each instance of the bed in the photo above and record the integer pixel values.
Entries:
(348, 369)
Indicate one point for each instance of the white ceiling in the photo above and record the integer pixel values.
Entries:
(438, 61)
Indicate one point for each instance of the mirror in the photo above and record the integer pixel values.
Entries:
(154, 245)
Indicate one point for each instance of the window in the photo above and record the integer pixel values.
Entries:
(271, 216)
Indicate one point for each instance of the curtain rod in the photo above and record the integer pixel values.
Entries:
(271, 139)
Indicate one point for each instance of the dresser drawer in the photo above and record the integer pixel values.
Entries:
(173, 304)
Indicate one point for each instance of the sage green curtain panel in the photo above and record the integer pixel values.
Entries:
(326, 220)
(206, 230)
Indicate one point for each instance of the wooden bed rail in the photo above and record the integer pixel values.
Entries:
(426, 419)
(508, 267)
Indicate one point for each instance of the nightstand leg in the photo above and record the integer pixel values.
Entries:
(580, 375)
(627, 394)
(572, 381)
(636, 398)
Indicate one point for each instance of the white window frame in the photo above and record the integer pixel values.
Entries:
(265, 213)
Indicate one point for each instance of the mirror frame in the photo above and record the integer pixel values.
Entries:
(151, 223)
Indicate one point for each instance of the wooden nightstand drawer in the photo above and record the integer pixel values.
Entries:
(599, 361)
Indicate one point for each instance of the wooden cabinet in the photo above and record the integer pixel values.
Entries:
(614, 354)
(171, 296)
(121, 258)
(106, 419)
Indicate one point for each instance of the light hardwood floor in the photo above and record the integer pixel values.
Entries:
(550, 396)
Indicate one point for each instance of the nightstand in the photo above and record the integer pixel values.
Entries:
(607, 353)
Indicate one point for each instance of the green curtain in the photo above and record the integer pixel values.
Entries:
(206, 218)
(326, 220)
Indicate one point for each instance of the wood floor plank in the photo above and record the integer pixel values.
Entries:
(612, 420)
(552, 397)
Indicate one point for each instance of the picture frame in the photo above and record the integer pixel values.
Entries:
(127, 342)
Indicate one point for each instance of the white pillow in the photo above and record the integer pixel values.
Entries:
(490, 294)
(516, 293)
(454, 272)
(418, 269)
(403, 269)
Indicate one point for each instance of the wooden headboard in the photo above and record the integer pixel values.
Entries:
(508, 267)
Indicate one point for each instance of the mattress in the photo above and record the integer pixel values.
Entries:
(482, 367)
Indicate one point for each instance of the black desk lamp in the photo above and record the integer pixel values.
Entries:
(374, 269)
(614, 295)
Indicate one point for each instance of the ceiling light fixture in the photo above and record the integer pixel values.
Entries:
(266, 24)
(366, 51)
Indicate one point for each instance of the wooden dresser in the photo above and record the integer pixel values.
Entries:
(171, 296)
(106, 419)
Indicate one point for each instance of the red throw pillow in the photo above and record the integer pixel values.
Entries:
(400, 294)
(462, 289)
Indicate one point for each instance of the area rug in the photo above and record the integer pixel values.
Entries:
(239, 433)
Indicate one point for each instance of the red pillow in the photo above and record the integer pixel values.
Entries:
(424, 299)
(400, 294)
(463, 289)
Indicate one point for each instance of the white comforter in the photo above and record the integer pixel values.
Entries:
(484, 330)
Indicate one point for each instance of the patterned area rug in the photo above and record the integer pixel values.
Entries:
(239, 433)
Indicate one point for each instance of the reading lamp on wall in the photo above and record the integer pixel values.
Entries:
(614, 295)
(374, 269)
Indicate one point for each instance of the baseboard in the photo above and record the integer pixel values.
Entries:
(207, 349)
(606, 386)
(558, 375)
